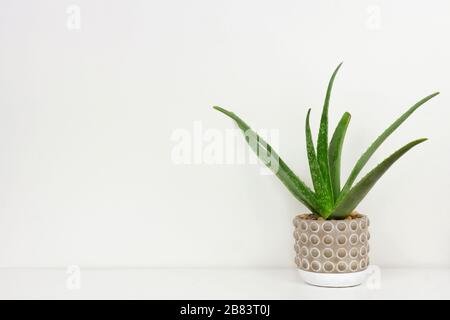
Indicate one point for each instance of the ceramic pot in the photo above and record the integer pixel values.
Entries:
(332, 253)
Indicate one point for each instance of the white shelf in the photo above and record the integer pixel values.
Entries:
(214, 284)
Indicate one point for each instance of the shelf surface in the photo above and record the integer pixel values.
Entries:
(211, 284)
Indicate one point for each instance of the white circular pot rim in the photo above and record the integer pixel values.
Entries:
(334, 280)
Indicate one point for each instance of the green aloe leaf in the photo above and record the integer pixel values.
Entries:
(360, 190)
(335, 151)
(316, 176)
(322, 141)
(376, 144)
(272, 160)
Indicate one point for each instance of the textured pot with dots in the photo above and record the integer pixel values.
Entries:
(332, 253)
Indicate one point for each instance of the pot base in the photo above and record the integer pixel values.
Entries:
(334, 280)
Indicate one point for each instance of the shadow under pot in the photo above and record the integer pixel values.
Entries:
(332, 253)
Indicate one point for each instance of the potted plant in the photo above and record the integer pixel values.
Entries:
(332, 240)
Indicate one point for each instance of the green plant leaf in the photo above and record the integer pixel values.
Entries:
(335, 151)
(376, 144)
(323, 197)
(272, 160)
(360, 190)
(322, 141)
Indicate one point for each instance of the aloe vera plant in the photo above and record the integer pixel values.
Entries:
(329, 199)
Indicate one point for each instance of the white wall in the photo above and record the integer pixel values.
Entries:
(87, 117)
